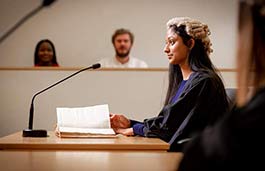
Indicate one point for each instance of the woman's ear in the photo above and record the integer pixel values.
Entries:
(191, 43)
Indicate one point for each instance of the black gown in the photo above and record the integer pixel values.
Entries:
(201, 103)
(236, 142)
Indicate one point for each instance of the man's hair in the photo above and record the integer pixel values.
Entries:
(122, 31)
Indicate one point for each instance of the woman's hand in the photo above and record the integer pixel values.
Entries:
(119, 121)
(56, 130)
(126, 131)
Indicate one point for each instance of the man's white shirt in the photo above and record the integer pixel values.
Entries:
(114, 63)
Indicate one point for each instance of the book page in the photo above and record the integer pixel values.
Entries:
(84, 117)
(107, 131)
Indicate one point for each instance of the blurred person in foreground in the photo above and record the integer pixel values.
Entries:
(237, 141)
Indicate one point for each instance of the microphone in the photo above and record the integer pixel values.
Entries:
(30, 132)
(45, 3)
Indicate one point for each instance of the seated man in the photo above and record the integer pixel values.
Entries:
(122, 41)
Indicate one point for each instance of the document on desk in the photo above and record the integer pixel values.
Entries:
(92, 121)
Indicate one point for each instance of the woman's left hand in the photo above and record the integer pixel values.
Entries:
(124, 131)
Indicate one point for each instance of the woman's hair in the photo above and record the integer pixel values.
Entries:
(251, 45)
(36, 56)
(198, 58)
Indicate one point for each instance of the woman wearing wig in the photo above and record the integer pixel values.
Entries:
(195, 97)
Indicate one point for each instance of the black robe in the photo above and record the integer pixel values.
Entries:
(201, 103)
(236, 142)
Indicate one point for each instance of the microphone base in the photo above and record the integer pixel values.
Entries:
(34, 133)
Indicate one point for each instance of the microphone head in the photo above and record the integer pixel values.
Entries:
(96, 66)
(46, 3)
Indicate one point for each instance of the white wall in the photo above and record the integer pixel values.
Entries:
(138, 94)
(82, 29)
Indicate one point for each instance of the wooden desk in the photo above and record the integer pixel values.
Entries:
(16, 141)
(88, 160)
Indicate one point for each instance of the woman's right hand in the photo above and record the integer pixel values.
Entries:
(119, 121)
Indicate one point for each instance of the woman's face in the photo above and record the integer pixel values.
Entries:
(177, 52)
(45, 52)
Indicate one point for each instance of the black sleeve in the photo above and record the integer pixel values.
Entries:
(192, 109)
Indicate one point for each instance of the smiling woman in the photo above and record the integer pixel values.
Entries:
(45, 54)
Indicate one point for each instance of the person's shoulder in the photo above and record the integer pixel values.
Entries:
(133, 59)
(258, 96)
(205, 74)
(200, 75)
(107, 62)
(138, 62)
(206, 77)
(106, 59)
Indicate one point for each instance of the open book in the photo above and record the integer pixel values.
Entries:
(90, 121)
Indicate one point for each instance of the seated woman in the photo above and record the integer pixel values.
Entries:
(45, 54)
(195, 97)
